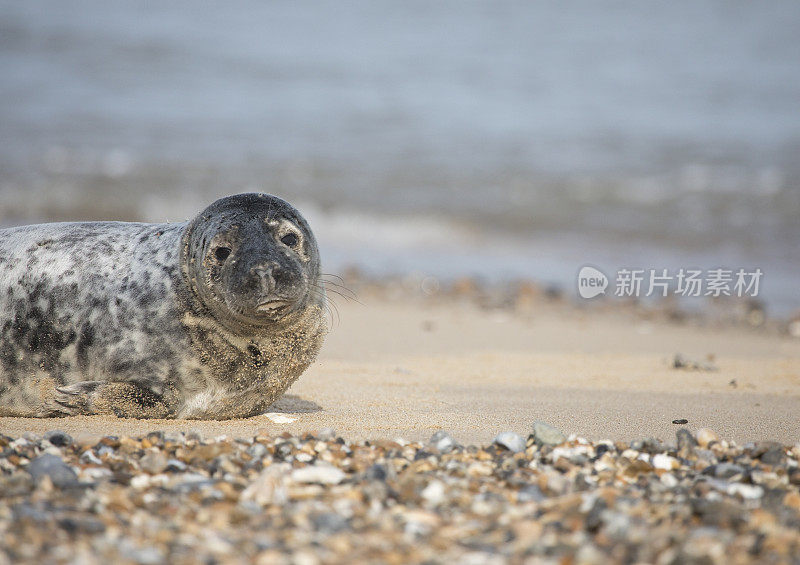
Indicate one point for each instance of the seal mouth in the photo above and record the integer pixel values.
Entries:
(275, 306)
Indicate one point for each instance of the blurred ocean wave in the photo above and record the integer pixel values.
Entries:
(499, 139)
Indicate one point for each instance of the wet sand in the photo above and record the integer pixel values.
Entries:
(408, 368)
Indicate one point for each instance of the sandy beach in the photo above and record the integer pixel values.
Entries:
(407, 367)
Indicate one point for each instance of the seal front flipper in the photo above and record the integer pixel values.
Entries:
(123, 399)
(75, 399)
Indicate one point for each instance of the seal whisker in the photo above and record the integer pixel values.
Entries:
(338, 316)
(341, 282)
(346, 297)
(333, 275)
(327, 303)
(342, 290)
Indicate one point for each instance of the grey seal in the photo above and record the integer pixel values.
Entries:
(210, 318)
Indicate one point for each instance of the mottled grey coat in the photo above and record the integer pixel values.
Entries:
(212, 318)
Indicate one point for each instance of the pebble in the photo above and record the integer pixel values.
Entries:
(257, 451)
(442, 441)
(725, 470)
(279, 418)
(327, 434)
(792, 500)
(511, 441)
(773, 456)
(665, 462)
(681, 362)
(317, 498)
(88, 456)
(175, 466)
(58, 438)
(377, 472)
(705, 437)
(153, 462)
(686, 441)
(669, 480)
(269, 487)
(530, 493)
(747, 492)
(435, 493)
(545, 434)
(322, 473)
(52, 466)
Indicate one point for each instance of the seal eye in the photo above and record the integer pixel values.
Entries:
(289, 239)
(221, 253)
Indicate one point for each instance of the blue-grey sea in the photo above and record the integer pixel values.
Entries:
(500, 139)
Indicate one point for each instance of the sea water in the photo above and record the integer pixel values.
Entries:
(498, 139)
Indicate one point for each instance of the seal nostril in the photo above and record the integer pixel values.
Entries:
(222, 253)
(282, 276)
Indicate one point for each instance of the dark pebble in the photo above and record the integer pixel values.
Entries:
(52, 466)
(582, 483)
(193, 485)
(58, 438)
(83, 524)
(122, 477)
(31, 512)
(16, 484)
(156, 438)
(680, 421)
(648, 445)
(719, 513)
(685, 439)
(773, 456)
(600, 450)
(724, 470)
(594, 519)
(530, 493)
(284, 450)
(761, 447)
(329, 523)
(376, 472)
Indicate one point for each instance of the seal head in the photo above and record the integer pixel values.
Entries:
(252, 260)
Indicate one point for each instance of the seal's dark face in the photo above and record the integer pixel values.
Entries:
(252, 258)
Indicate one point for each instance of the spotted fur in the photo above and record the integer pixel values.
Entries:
(146, 320)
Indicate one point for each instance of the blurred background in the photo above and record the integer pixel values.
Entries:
(498, 139)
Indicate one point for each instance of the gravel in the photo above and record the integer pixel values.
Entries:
(318, 498)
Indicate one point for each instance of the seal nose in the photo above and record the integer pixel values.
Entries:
(266, 275)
